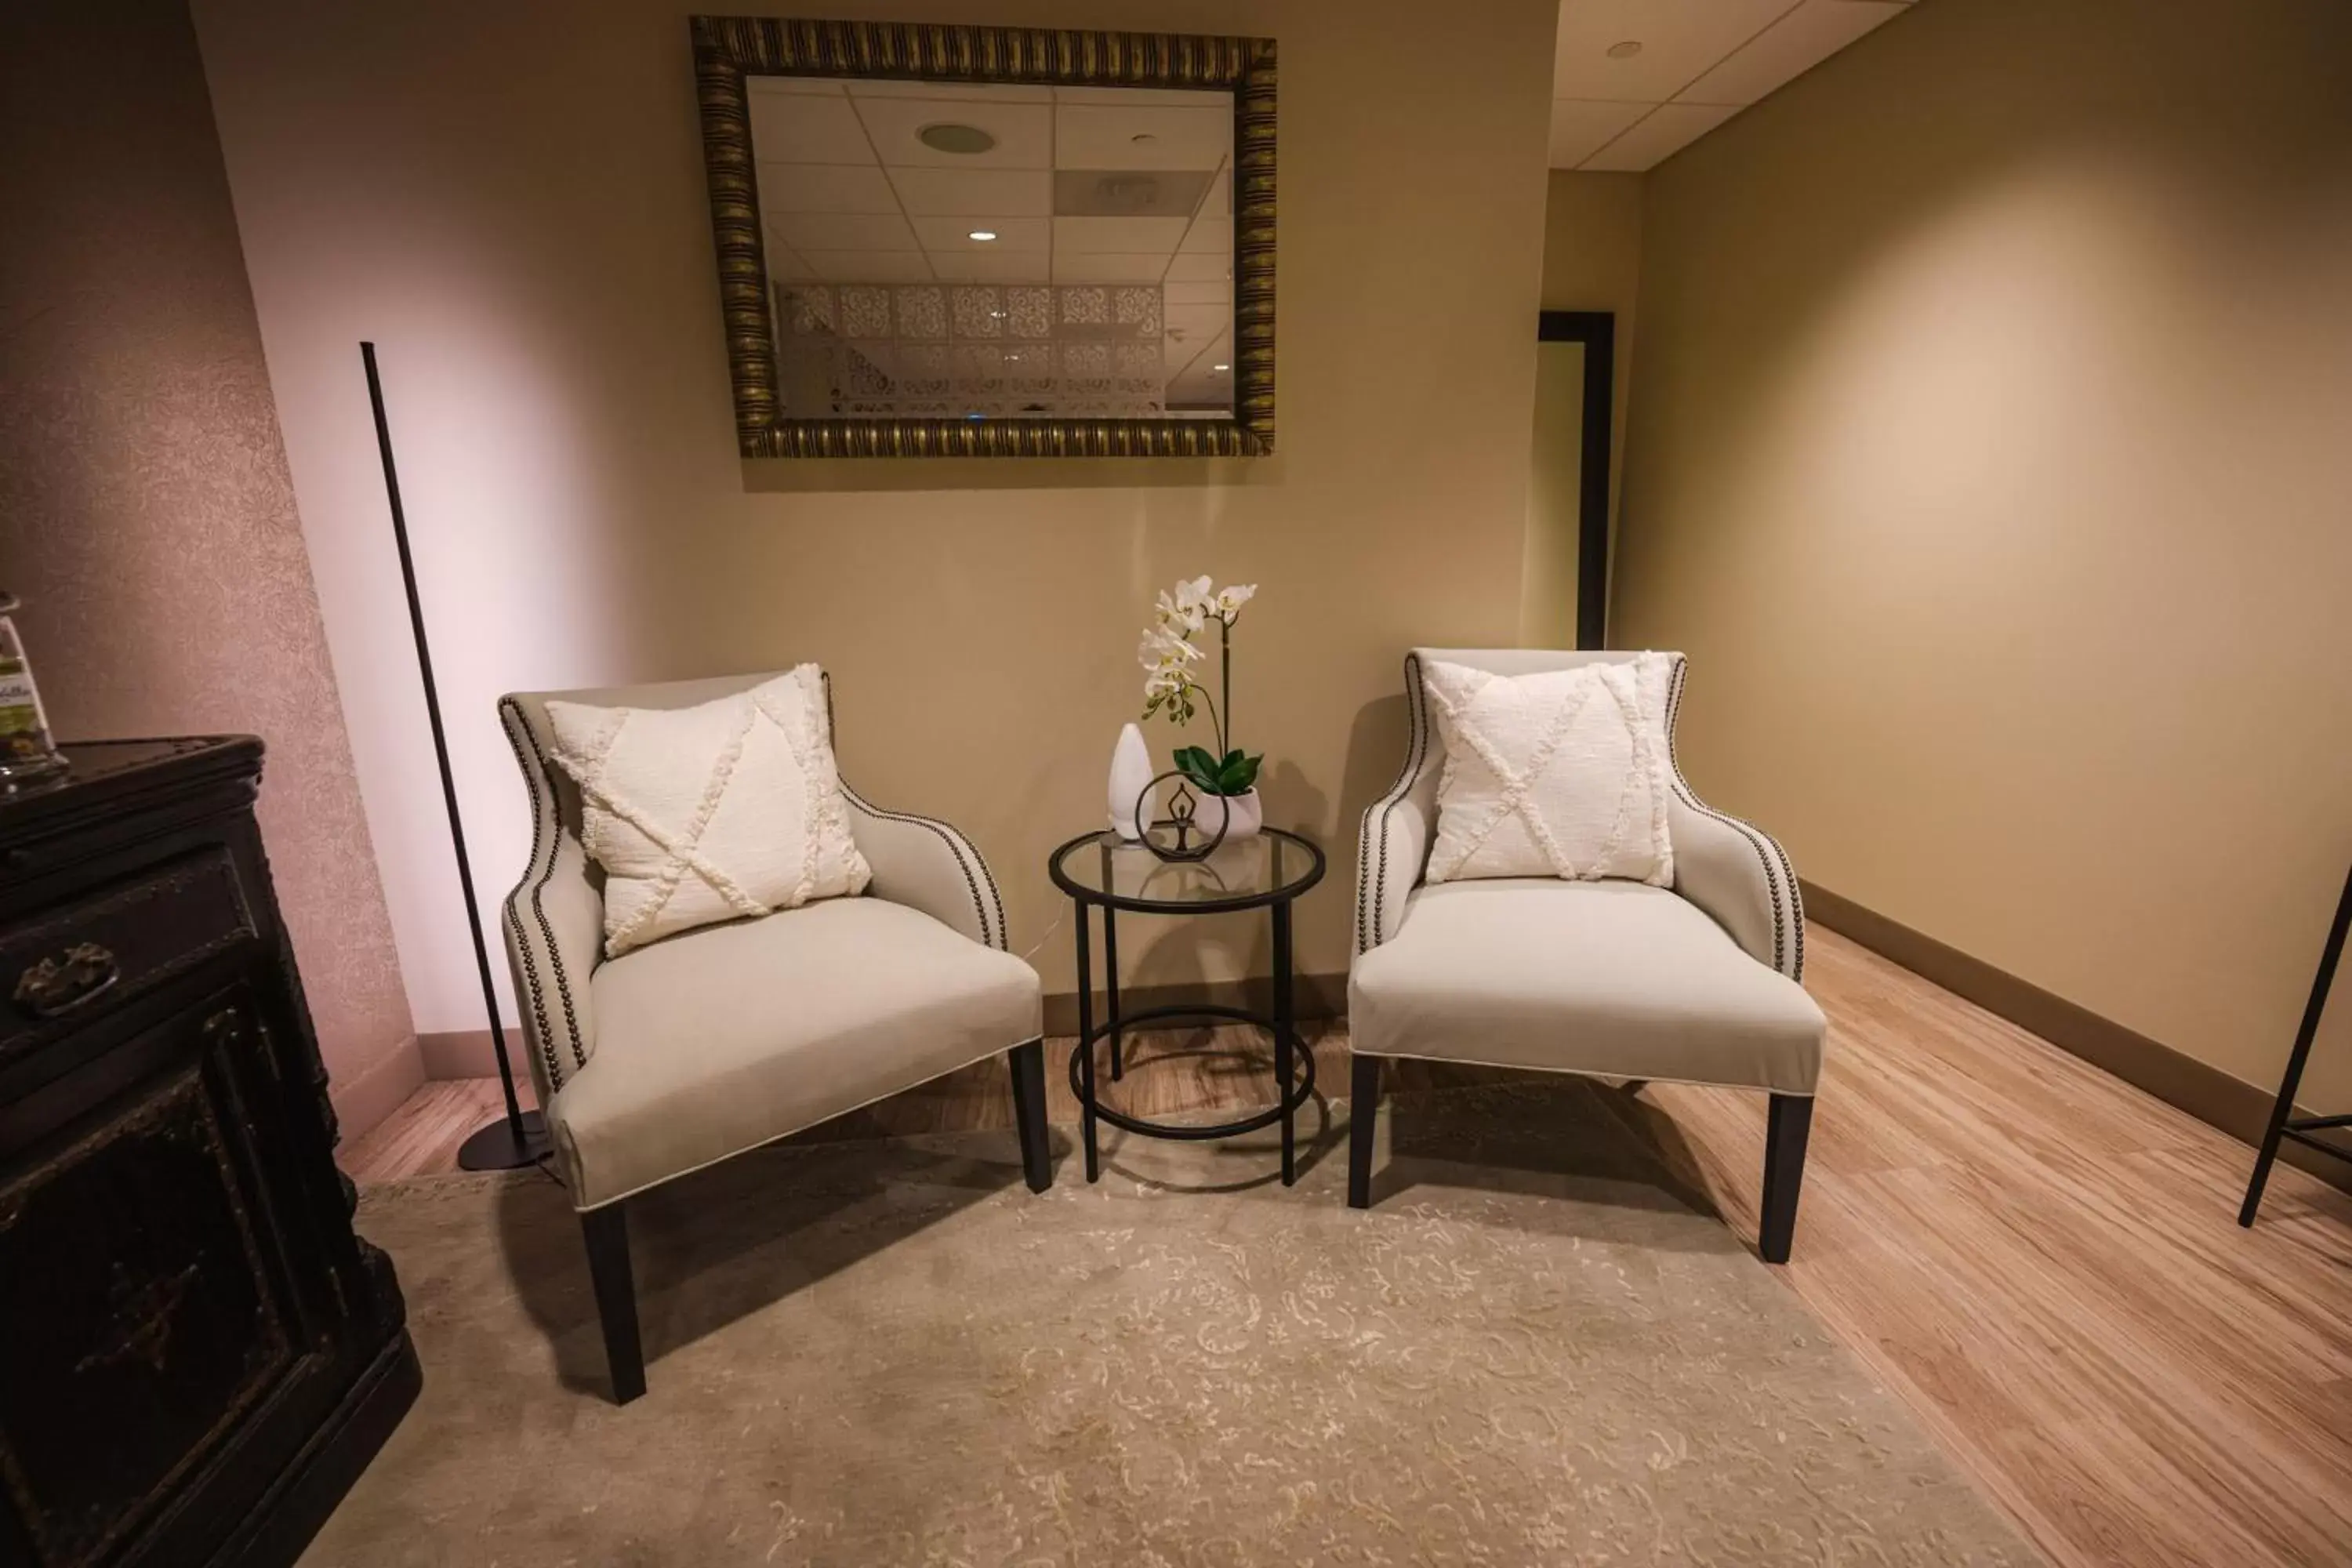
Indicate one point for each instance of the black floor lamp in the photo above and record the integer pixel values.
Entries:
(520, 1139)
(2285, 1122)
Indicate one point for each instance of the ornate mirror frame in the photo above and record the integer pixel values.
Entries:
(727, 49)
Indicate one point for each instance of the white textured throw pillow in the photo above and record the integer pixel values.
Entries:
(712, 812)
(1564, 772)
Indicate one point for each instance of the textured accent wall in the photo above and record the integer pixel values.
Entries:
(1990, 460)
(146, 515)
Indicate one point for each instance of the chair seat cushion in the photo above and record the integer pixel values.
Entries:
(1616, 979)
(721, 1040)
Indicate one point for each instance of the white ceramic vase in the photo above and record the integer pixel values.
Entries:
(1248, 815)
(1130, 775)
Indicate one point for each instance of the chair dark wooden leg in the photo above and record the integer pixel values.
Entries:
(1028, 1065)
(1363, 1109)
(1790, 1122)
(608, 1232)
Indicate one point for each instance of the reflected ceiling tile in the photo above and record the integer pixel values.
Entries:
(1173, 98)
(980, 265)
(1665, 131)
(868, 265)
(1581, 127)
(945, 91)
(1130, 236)
(1219, 293)
(788, 128)
(1139, 136)
(1090, 267)
(843, 231)
(1012, 233)
(824, 188)
(1214, 270)
(1023, 132)
(1219, 202)
(1208, 236)
(795, 86)
(978, 193)
(1789, 47)
(1197, 324)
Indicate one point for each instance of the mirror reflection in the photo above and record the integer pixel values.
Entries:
(968, 250)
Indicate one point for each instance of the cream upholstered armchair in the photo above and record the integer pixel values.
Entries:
(709, 1042)
(1695, 983)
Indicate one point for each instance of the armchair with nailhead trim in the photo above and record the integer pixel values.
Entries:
(704, 1044)
(1697, 983)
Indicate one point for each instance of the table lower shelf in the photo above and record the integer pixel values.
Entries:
(1302, 1087)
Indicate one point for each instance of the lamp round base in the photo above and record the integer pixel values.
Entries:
(501, 1147)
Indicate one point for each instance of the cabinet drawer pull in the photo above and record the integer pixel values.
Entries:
(56, 986)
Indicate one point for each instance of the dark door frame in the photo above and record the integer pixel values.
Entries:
(1597, 331)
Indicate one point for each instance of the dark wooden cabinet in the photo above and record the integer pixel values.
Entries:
(197, 1355)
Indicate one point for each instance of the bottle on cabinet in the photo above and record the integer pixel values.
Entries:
(27, 750)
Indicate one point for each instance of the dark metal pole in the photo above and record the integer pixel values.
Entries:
(522, 1140)
(2281, 1124)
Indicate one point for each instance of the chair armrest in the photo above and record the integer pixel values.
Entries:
(927, 865)
(1741, 877)
(555, 926)
(1392, 845)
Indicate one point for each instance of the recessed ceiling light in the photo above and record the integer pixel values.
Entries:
(1626, 50)
(950, 137)
(982, 234)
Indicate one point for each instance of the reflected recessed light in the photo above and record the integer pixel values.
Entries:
(1626, 50)
(982, 234)
(953, 137)
(1220, 367)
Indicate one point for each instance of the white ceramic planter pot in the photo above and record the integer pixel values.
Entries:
(1248, 815)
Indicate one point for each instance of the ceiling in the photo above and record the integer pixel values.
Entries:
(1082, 185)
(1699, 63)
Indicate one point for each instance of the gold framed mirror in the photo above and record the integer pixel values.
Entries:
(955, 241)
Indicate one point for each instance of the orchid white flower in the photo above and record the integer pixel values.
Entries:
(1186, 606)
(1163, 649)
(1168, 654)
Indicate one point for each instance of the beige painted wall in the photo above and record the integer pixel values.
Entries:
(1548, 571)
(1990, 460)
(1592, 261)
(145, 512)
(512, 205)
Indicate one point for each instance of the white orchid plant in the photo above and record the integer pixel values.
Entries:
(1172, 648)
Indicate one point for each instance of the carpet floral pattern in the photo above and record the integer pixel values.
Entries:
(1534, 1350)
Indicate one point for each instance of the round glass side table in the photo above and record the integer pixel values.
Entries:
(1267, 870)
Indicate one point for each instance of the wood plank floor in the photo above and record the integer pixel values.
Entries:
(2042, 1262)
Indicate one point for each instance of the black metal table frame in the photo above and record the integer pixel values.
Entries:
(1293, 1057)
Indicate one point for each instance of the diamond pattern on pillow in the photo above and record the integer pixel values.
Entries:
(1561, 774)
(728, 810)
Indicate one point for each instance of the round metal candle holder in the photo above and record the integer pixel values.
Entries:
(1182, 810)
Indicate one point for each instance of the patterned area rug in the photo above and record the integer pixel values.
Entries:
(1534, 1350)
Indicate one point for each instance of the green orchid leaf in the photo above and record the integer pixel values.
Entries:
(1239, 774)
